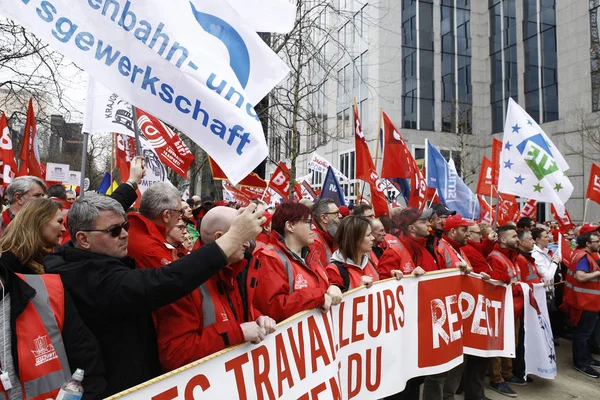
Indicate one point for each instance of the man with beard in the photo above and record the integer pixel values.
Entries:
(326, 218)
(188, 218)
(379, 243)
(504, 263)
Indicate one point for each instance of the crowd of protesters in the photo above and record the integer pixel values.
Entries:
(128, 294)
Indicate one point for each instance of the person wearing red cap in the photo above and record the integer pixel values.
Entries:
(503, 261)
(588, 228)
(409, 255)
(344, 211)
(455, 235)
(326, 221)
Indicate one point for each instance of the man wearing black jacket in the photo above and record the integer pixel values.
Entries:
(115, 299)
(80, 346)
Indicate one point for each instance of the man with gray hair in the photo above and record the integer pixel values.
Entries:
(160, 211)
(21, 191)
(115, 299)
(216, 315)
(326, 221)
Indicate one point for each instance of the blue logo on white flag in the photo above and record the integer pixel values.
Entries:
(239, 57)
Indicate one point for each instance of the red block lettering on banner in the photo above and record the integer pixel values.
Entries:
(529, 209)
(564, 221)
(509, 209)
(168, 145)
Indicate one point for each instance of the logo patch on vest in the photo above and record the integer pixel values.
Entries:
(300, 282)
(44, 351)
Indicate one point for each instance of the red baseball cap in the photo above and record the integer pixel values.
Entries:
(345, 211)
(588, 228)
(454, 221)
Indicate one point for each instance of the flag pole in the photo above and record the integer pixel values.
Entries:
(378, 141)
(138, 146)
(587, 201)
(83, 163)
(112, 156)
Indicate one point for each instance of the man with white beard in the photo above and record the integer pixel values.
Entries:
(326, 221)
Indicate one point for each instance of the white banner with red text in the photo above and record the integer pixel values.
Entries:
(365, 348)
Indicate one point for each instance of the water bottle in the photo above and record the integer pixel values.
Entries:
(72, 389)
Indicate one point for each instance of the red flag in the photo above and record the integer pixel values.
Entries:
(566, 251)
(564, 221)
(280, 181)
(486, 211)
(593, 190)
(29, 152)
(169, 147)
(311, 192)
(8, 166)
(529, 209)
(509, 209)
(235, 194)
(397, 158)
(378, 199)
(252, 180)
(125, 152)
(418, 189)
(496, 157)
(364, 161)
(486, 177)
(256, 193)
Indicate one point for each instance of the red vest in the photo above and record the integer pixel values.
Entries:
(451, 256)
(299, 274)
(43, 364)
(528, 270)
(5, 218)
(221, 305)
(513, 272)
(355, 274)
(582, 295)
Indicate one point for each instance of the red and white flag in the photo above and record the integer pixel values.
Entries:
(485, 184)
(563, 218)
(364, 161)
(256, 193)
(231, 193)
(529, 209)
(169, 147)
(29, 150)
(8, 166)
(593, 190)
(280, 183)
(252, 180)
(487, 212)
(509, 209)
(496, 159)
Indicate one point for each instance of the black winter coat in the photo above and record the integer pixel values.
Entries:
(80, 345)
(116, 301)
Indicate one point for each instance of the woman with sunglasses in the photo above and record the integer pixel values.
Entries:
(290, 276)
(34, 232)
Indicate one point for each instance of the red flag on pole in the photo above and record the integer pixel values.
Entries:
(364, 161)
(593, 190)
(486, 211)
(256, 193)
(485, 185)
(496, 158)
(280, 183)
(529, 209)
(564, 219)
(169, 147)
(419, 192)
(125, 152)
(252, 180)
(235, 194)
(397, 158)
(378, 199)
(29, 152)
(509, 209)
(565, 251)
(8, 166)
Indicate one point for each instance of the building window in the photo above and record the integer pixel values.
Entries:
(275, 149)
(456, 65)
(346, 167)
(503, 58)
(539, 38)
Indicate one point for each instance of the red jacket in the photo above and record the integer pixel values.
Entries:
(323, 244)
(203, 322)
(7, 216)
(500, 271)
(476, 257)
(451, 251)
(529, 272)
(406, 255)
(147, 243)
(355, 275)
(281, 292)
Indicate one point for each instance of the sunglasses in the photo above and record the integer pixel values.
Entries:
(114, 231)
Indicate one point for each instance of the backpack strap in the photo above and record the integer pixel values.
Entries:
(343, 272)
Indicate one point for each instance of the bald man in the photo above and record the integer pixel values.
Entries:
(213, 317)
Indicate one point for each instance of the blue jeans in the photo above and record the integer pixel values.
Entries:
(584, 330)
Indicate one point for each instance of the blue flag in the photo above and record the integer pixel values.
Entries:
(451, 189)
(331, 189)
(105, 184)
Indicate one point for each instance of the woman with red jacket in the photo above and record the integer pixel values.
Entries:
(290, 278)
(350, 266)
